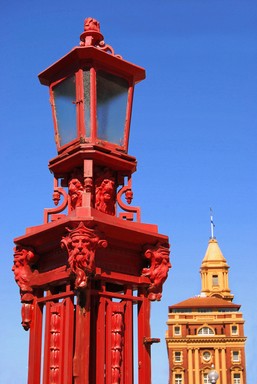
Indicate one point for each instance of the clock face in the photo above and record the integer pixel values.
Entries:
(206, 356)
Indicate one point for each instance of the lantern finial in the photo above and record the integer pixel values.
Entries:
(91, 35)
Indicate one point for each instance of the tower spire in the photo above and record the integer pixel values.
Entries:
(212, 224)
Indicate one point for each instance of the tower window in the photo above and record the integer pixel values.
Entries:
(177, 330)
(215, 280)
(236, 378)
(177, 356)
(235, 356)
(178, 378)
(234, 330)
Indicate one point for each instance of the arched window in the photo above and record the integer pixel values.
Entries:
(215, 280)
(204, 331)
(178, 378)
(236, 378)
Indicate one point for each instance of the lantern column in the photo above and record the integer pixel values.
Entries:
(88, 274)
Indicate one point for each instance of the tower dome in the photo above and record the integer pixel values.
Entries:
(214, 272)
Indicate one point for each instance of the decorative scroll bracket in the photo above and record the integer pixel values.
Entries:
(53, 212)
(129, 211)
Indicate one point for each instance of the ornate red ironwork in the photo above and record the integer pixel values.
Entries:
(117, 330)
(158, 269)
(105, 191)
(55, 343)
(24, 260)
(129, 210)
(92, 36)
(76, 189)
(27, 311)
(58, 192)
(81, 244)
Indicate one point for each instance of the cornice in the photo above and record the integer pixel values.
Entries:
(206, 340)
(200, 317)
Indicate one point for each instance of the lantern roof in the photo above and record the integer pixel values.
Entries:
(93, 51)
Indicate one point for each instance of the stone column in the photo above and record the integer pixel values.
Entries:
(197, 374)
(190, 366)
(223, 366)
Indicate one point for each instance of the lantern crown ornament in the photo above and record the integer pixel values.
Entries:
(91, 34)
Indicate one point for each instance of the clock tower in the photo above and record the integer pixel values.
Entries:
(208, 329)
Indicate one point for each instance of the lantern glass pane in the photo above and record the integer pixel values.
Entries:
(86, 84)
(65, 110)
(112, 96)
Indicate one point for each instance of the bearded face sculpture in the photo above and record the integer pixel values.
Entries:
(158, 269)
(24, 260)
(81, 244)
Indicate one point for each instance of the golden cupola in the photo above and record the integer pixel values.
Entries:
(214, 272)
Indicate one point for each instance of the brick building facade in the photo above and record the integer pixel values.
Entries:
(208, 329)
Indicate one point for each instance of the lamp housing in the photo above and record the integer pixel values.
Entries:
(91, 94)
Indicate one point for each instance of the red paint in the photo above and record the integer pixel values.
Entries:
(88, 273)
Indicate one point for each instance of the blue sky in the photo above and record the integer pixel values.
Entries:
(193, 133)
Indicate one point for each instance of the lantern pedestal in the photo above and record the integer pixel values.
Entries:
(89, 315)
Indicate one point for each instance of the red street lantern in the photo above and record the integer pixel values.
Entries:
(91, 94)
(87, 275)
